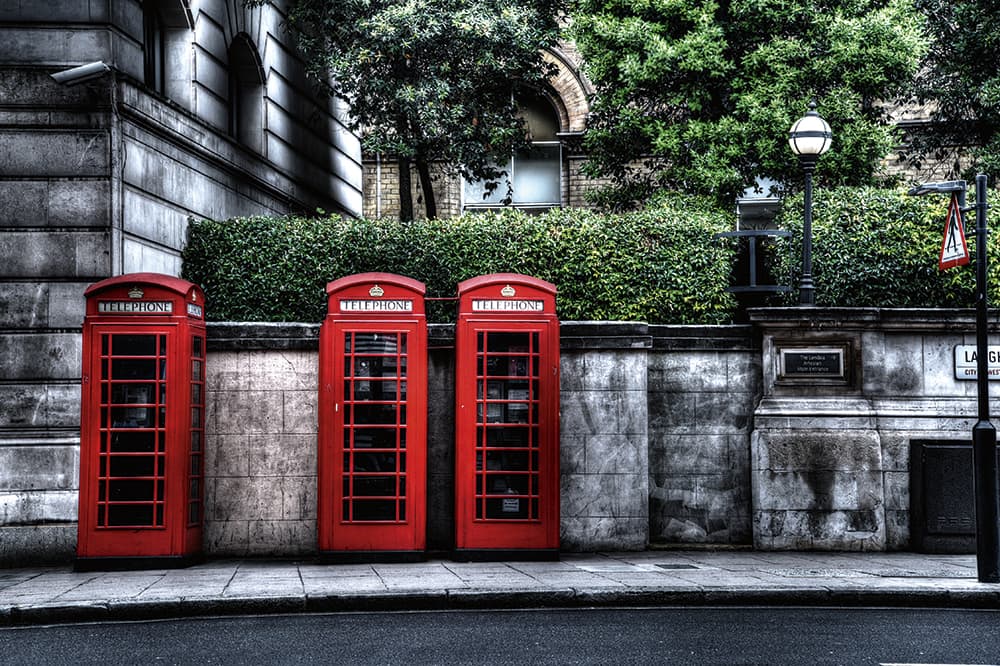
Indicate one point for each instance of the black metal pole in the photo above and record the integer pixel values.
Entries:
(807, 289)
(984, 434)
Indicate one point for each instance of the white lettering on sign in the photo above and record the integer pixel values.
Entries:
(194, 310)
(513, 305)
(371, 305)
(967, 362)
(135, 307)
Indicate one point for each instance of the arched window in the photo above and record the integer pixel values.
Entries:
(535, 174)
(246, 93)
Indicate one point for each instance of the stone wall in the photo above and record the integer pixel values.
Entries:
(669, 435)
(831, 457)
(704, 384)
(260, 467)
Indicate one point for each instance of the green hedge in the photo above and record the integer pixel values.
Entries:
(658, 265)
(880, 248)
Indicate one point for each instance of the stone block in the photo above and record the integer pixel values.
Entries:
(245, 412)
(573, 453)
(285, 370)
(29, 507)
(298, 498)
(616, 454)
(903, 365)
(79, 203)
(604, 495)
(281, 537)
(818, 491)
(24, 305)
(613, 371)
(35, 406)
(572, 371)
(596, 533)
(139, 256)
(812, 450)
(671, 412)
(246, 498)
(32, 254)
(226, 537)
(939, 367)
(897, 491)
(226, 370)
(697, 454)
(35, 545)
(154, 220)
(282, 455)
(897, 530)
(55, 153)
(67, 305)
(299, 413)
(689, 371)
(23, 203)
(810, 530)
(602, 412)
(41, 356)
(701, 496)
(227, 455)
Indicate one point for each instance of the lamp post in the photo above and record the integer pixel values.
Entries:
(809, 138)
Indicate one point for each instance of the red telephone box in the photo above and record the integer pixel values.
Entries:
(373, 419)
(507, 417)
(142, 423)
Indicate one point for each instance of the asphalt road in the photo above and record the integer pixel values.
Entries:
(720, 636)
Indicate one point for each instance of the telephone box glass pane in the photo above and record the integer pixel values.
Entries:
(197, 425)
(507, 412)
(374, 486)
(131, 467)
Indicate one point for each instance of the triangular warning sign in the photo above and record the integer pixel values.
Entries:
(954, 251)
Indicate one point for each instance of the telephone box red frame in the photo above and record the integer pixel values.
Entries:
(507, 418)
(372, 458)
(142, 423)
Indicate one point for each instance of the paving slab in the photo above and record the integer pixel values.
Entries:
(671, 577)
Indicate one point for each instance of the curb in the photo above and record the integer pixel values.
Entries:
(460, 599)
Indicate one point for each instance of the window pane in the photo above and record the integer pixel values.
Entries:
(536, 175)
(475, 192)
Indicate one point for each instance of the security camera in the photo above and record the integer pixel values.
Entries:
(81, 74)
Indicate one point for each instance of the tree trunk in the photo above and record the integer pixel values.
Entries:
(405, 191)
(424, 170)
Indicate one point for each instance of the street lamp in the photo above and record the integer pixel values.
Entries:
(809, 138)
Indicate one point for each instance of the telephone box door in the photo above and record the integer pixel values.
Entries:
(373, 407)
(507, 415)
(142, 423)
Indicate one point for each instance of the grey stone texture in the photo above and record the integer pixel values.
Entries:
(703, 386)
(830, 461)
(260, 463)
(669, 435)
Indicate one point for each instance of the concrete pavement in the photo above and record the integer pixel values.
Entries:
(654, 577)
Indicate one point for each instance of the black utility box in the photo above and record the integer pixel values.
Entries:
(942, 496)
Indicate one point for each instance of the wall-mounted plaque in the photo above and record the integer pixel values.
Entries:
(819, 362)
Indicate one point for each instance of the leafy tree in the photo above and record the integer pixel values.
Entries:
(961, 82)
(430, 80)
(706, 90)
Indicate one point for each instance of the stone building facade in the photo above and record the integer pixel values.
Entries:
(195, 108)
